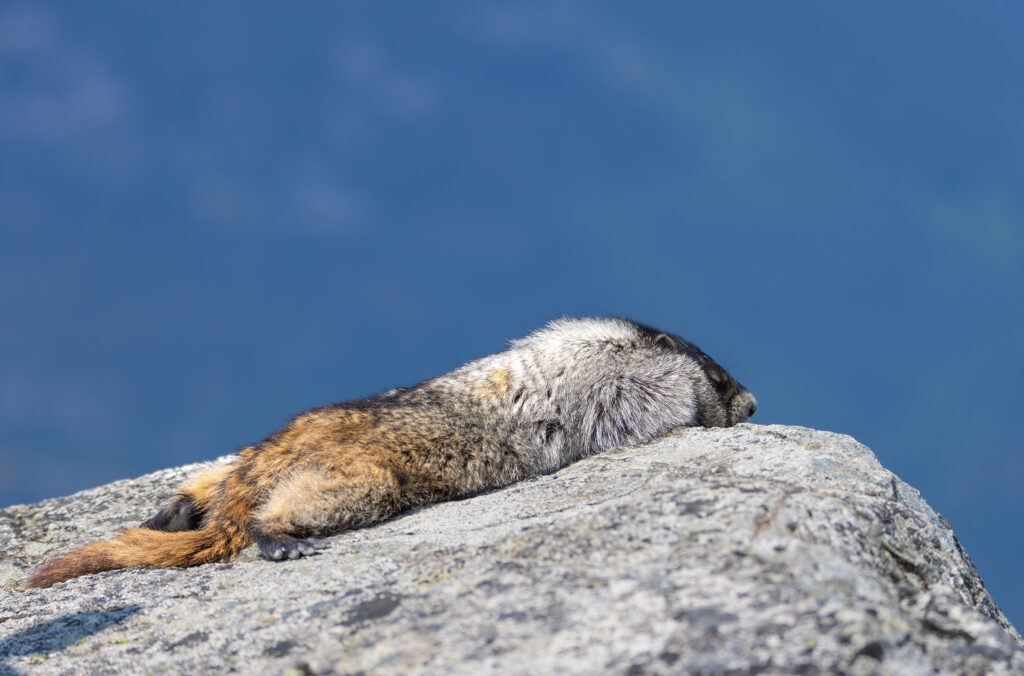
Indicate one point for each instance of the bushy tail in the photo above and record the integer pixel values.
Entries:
(143, 547)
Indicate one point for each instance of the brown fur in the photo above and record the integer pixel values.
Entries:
(135, 547)
(322, 466)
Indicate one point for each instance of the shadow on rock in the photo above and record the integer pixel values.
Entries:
(60, 632)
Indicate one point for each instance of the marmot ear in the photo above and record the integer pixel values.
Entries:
(664, 340)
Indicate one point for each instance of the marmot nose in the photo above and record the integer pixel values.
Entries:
(753, 407)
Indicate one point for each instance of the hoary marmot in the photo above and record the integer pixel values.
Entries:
(571, 389)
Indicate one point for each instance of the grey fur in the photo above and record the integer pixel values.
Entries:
(581, 386)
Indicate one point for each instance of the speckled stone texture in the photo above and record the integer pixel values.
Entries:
(755, 549)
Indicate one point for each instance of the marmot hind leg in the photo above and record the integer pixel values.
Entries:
(186, 510)
(315, 502)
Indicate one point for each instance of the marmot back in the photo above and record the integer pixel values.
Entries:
(571, 389)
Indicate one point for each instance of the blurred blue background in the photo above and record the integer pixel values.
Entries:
(215, 216)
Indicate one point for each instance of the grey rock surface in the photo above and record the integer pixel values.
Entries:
(754, 549)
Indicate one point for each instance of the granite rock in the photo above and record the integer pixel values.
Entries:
(754, 549)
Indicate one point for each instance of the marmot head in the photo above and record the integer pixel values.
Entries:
(725, 402)
(629, 382)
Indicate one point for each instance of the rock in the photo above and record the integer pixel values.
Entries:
(763, 549)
